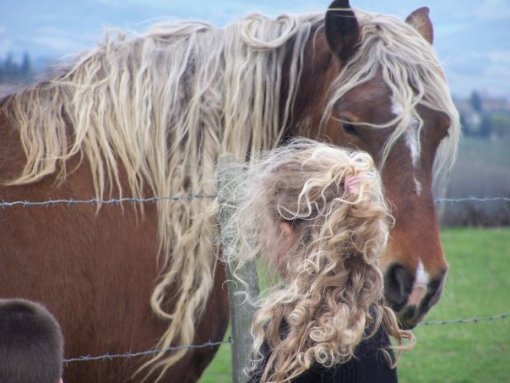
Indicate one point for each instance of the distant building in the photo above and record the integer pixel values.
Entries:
(483, 115)
(491, 104)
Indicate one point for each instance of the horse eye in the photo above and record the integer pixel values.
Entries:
(349, 128)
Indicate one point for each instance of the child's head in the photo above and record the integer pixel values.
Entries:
(308, 201)
(31, 343)
(317, 215)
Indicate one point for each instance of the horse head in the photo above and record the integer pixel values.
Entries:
(384, 93)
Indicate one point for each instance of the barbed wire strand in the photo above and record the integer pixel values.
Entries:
(88, 358)
(473, 199)
(474, 320)
(97, 201)
(154, 199)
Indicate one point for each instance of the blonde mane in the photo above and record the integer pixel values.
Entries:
(163, 106)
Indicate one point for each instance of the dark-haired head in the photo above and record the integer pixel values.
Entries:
(31, 343)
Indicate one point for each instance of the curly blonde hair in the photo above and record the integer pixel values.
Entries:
(317, 216)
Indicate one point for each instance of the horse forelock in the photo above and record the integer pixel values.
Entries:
(162, 107)
(412, 72)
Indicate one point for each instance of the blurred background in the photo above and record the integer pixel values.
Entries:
(472, 39)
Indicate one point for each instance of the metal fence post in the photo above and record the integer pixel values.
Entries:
(241, 312)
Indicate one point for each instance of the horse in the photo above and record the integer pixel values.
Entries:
(148, 117)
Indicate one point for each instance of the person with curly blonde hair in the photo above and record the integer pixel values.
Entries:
(317, 216)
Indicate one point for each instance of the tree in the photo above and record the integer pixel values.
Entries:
(15, 72)
(26, 66)
(476, 102)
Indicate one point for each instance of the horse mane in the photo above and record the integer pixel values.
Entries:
(164, 105)
(412, 72)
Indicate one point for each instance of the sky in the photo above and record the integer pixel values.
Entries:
(472, 37)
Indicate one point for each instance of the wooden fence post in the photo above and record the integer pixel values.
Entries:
(241, 312)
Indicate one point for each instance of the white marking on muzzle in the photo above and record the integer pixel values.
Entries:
(419, 290)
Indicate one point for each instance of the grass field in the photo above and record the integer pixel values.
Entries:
(478, 285)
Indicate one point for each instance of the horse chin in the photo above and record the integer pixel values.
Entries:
(407, 325)
(413, 312)
(409, 317)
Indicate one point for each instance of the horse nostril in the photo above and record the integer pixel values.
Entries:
(435, 289)
(398, 285)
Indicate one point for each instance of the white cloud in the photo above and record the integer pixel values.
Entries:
(448, 29)
(498, 72)
(5, 46)
(488, 71)
(56, 43)
(60, 41)
(220, 11)
(493, 10)
(5, 41)
(502, 57)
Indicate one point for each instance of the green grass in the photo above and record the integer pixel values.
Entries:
(220, 370)
(478, 285)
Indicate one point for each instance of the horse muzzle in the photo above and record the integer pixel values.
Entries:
(411, 295)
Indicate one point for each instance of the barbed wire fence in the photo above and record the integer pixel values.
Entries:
(229, 341)
(155, 199)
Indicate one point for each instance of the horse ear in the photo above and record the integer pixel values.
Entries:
(420, 20)
(342, 29)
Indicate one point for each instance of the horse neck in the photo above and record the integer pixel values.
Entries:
(319, 71)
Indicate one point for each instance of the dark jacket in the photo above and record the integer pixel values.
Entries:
(368, 366)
